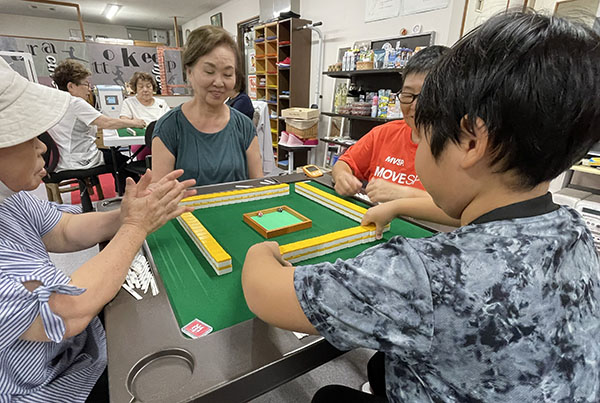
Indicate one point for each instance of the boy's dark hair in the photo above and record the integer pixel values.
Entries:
(534, 81)
(424, 60)
(69, 71)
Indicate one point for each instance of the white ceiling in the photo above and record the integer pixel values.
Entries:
(133, 13)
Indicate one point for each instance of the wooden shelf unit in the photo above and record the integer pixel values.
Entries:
(294, 79)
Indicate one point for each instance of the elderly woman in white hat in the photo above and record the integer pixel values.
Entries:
(52, 344)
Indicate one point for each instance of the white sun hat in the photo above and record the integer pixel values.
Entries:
(27, 109)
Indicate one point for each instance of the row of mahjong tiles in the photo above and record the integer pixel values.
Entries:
(193, 287)
(294, 252)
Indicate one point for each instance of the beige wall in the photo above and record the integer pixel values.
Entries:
(20, 25)
(343, 24)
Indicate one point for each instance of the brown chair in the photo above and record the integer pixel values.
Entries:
(60, 182)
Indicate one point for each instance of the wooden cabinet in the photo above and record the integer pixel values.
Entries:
(282, 86)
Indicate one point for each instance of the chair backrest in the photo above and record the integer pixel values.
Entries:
(148, 135)
(51, 156)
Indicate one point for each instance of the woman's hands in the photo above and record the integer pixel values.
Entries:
(148, 205)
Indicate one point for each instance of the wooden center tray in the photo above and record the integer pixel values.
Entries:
(276, 221)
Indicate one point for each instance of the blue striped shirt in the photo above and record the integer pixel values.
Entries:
(62, 370)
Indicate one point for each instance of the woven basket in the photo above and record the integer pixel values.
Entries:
(308, 133)
(368, 65)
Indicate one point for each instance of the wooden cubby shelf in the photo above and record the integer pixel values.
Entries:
(284, 87)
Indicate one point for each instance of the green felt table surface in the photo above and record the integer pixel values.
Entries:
(125, 133)
(193, 287)
(276, 219)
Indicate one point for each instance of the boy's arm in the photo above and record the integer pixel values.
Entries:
(268, 284)
(422, 208)
(381, 191)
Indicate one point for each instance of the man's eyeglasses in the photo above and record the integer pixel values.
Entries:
(406, 97)
(86, 83)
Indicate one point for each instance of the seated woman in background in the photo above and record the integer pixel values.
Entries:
(239, 99)
(75, 133)
(143, 105)
(210, 141)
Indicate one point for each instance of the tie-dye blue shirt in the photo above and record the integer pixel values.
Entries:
(499, 311)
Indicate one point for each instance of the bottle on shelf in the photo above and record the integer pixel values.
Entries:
(374, 106)
(353, 94)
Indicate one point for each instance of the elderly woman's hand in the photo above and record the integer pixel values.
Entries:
(139, 123)
(148, 209)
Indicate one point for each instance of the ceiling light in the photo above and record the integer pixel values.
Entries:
(111, 10)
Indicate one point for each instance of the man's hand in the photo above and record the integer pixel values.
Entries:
(347, 184)
(381, 191)
(381, 216)
(148, 209)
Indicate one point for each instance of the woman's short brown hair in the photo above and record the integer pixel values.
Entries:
(142, 76)
(203, 40)
(69, 71)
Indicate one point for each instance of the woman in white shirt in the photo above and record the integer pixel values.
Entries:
(75, 133)
(143, 106)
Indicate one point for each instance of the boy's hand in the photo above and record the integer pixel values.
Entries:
(381, 216)
(381, 191)
(347, 184)
(149, 209)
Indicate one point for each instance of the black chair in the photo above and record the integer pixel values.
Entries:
(139, 167)
(85, 178)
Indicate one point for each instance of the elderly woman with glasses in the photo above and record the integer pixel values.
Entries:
(75, 134)
(52, 343)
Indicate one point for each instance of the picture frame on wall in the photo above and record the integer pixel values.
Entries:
(216, 20)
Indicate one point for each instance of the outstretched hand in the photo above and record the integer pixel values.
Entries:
(381, 216)
(381, 191)
(149, 208)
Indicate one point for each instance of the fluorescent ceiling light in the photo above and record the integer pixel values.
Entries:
(111, 10)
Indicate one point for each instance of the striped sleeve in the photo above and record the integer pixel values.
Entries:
(42, 214)
(20, 307)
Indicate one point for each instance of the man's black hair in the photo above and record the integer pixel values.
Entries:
(534, 81)
(424, 60)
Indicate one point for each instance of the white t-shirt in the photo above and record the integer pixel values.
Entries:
(134, 109)
(76, 138)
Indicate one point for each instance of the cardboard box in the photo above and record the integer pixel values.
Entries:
(300, 113)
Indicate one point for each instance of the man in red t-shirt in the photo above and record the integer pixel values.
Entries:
(385, 157)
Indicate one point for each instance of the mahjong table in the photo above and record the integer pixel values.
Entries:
(151, 360)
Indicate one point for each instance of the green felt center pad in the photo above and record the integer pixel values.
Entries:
(276, 219)
(126, 133)
(193, 287)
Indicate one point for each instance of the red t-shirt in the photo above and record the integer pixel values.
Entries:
(386, 152)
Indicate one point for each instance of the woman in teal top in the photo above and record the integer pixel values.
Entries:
(210, 141)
